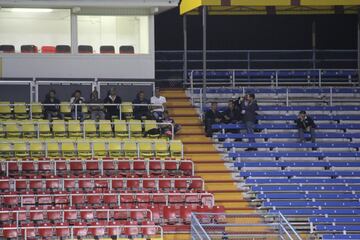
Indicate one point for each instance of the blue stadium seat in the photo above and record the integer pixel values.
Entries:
(340, 236)
(308, 212)
(299, 196)
(313, 188)
(313, 204)
(303, 181)
(297, 164)
(337, 228)
(300, 173)
(293, 154)
(286, 135)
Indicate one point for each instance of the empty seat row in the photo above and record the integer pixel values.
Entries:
(86, 149)
(275, 145)
(112, 229)
(305, 173)
(107, 199)
(88, 183)
(77, 129)
(284, 154)
(72, 215)
(281, 126)
(297, 164)
(127, 49)
(108, 167)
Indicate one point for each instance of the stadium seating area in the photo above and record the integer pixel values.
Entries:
(82, 49)
(315, 185)
(93, 179)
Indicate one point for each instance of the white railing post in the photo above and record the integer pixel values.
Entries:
(276, 78)
(233, 78)
(76, 113)
(192, 86)
(331, 96)
(287, 97)
(319, 77)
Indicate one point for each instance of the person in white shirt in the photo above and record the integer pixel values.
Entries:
(158, 111)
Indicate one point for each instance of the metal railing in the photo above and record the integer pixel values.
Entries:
(207, 226)
(170, 64)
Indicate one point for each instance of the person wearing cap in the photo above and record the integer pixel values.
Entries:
(305, 124)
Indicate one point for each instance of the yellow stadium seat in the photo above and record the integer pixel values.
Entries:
(90, 128)
(36, 111)
(20, 110)
(5, 150)
(99, 149)
(161, 149)
(176, 148)
(28, 129)
(74, 128)
(121, 129)
(156, 238)
(12, 129)
(20, 150)
(85, 111)
(127, 110)
(44, 128)
(53, 149)
(5, 110)
(37, 150)
(65, 109)
(146, 149)
(151, 124)
(68, 149)
(58, 127)
(115, 149)
(135, 128)
(105, 129)
(130, 149)
(84, 149)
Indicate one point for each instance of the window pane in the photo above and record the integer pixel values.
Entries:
(34, 26)
(115, 31)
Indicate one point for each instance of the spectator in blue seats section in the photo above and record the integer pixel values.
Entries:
(52, 111)
(248, 109)
(141, 112)
(212, 116)
(112, 98)
(77, 99)
(305, 124)
(96, 111)
(230, 115)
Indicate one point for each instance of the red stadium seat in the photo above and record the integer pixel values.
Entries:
(92, 167)
(21, 185)
(185, 214)
(10, 231)
(133, 184)
(115, 230)
(30, 232)
(4, 185)
(176, 198)
(149, 229)
(45, 230)
(124, 168)
(186, 168)
(53, 184)
(36, 184)
(70, 216)
(76, 167)
(138, 216)
(61, 168)
(69, 184)
(11, 201)
(118, 184)
(170, 214)
(171, 167)
(156, 213)
(48, 49)
(80, 230)
(155, 167)
(140, 168)
(94, 199)
(181, 184)
(36, 214)
(87, 215)
(78, 199)
(120, 215)
(132, 229)
(149, 185)
(86, 183)
(54, 214)
(28, 168)
(62, 230)
(5, 215)
(44, 167)
(97, 230)
(165, 184)
(196, 184)
(109, 167)
(110, 199)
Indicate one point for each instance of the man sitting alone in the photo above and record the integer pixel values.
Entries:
(305, 124)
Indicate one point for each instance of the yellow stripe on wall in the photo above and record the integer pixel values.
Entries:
(189, 5)
(330, 2)
(261, 3)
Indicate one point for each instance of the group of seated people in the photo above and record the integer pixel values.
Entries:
(143, 109)
(244, 110)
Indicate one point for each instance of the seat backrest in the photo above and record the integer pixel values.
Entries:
(63, 49)
(85, 49)
(48, 49)
(7, 48)
(29, 49)
(107, 49)
(127, 49)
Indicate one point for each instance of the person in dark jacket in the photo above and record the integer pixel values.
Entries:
(141, 112)
(52, 111)
(248, 108)
(230, 115)
(74, 100)
(112, 98)
(212, 116)
(305, 124)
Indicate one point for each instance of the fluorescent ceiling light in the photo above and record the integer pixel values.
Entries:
(31, 10)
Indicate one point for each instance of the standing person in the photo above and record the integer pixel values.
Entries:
(248, 108)
(112, 98)
(77, 99)
(96, 111)
(305, 124)
(52, 111)
(141, 112)
(212, 116)
(158, 111)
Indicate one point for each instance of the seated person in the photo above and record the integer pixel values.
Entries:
(77, 99)
(305, 124)
(97, 111)
(52, 111)
(141, 112)
(167, 129)
(212, 116)
(158, 111)
(112, 98)
(230, 115)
